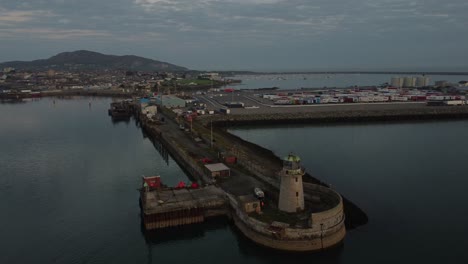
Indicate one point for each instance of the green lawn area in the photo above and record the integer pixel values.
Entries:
(197, 81)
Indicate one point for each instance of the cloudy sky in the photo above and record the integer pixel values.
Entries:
(246, 34)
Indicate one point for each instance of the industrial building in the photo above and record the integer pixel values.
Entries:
(397, 82)
(422, 81)
(409, 81)
(169, 101)
(441, 83)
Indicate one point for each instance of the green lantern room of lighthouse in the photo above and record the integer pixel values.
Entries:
(292, 165)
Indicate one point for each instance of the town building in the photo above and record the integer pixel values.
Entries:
(209, 76)
(250, 204)
(217, 169)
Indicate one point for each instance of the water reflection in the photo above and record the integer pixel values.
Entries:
(13, 101)
(125, 120)
(185, 232)
(250, 249)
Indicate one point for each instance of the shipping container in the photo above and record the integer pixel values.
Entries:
(225, 111)
(418, 98)
(399, 98)
(365, 99)
(436, 97)
(455, 102)
(230, 160)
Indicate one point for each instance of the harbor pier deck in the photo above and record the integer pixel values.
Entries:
(168, 207)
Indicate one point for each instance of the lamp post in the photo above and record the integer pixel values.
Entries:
(211, 134)
(321, 234)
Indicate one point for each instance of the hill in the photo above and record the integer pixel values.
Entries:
(89, 60)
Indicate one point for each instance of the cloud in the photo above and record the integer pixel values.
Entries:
(64, 21)
(52, 33)
(208, 32)
(17, 16)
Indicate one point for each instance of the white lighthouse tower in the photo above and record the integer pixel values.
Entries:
(291, 198)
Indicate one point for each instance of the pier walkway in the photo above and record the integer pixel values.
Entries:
(168, 207)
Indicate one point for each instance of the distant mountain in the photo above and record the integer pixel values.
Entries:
(89, 60)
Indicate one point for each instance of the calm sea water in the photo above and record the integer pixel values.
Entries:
(68, 180)
(297, 81)
(409, 178)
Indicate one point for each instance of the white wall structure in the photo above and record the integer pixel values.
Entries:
(291, 197)
(397, 82)
(409, 81)
(422, 81)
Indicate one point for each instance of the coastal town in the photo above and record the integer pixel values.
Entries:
(23, 83)
(217, 91)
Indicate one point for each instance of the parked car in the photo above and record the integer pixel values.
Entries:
(259, 193)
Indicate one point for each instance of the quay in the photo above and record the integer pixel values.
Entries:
(320, 114)
(169, 207)
(299, 212)
(295, 215)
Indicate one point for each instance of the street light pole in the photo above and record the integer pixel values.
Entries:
(211, 136)
(321, 234)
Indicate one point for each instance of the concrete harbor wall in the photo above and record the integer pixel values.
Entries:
(291, 239)
(348, 116)
(267, 162)
(182, 158)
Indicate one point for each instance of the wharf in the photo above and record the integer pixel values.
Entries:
(338, 114)
(169, 207)
(255, 166)
(319, 225)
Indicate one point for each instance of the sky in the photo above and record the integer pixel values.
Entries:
(260, 35)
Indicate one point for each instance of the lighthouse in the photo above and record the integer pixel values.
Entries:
(291, 198)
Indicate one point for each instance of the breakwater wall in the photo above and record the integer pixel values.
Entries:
(101, 93)
(355, 216)
(326, 227)
(187, 163)
(327, 230)
(350, 116)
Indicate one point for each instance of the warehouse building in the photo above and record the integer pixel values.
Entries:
(170, 101)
